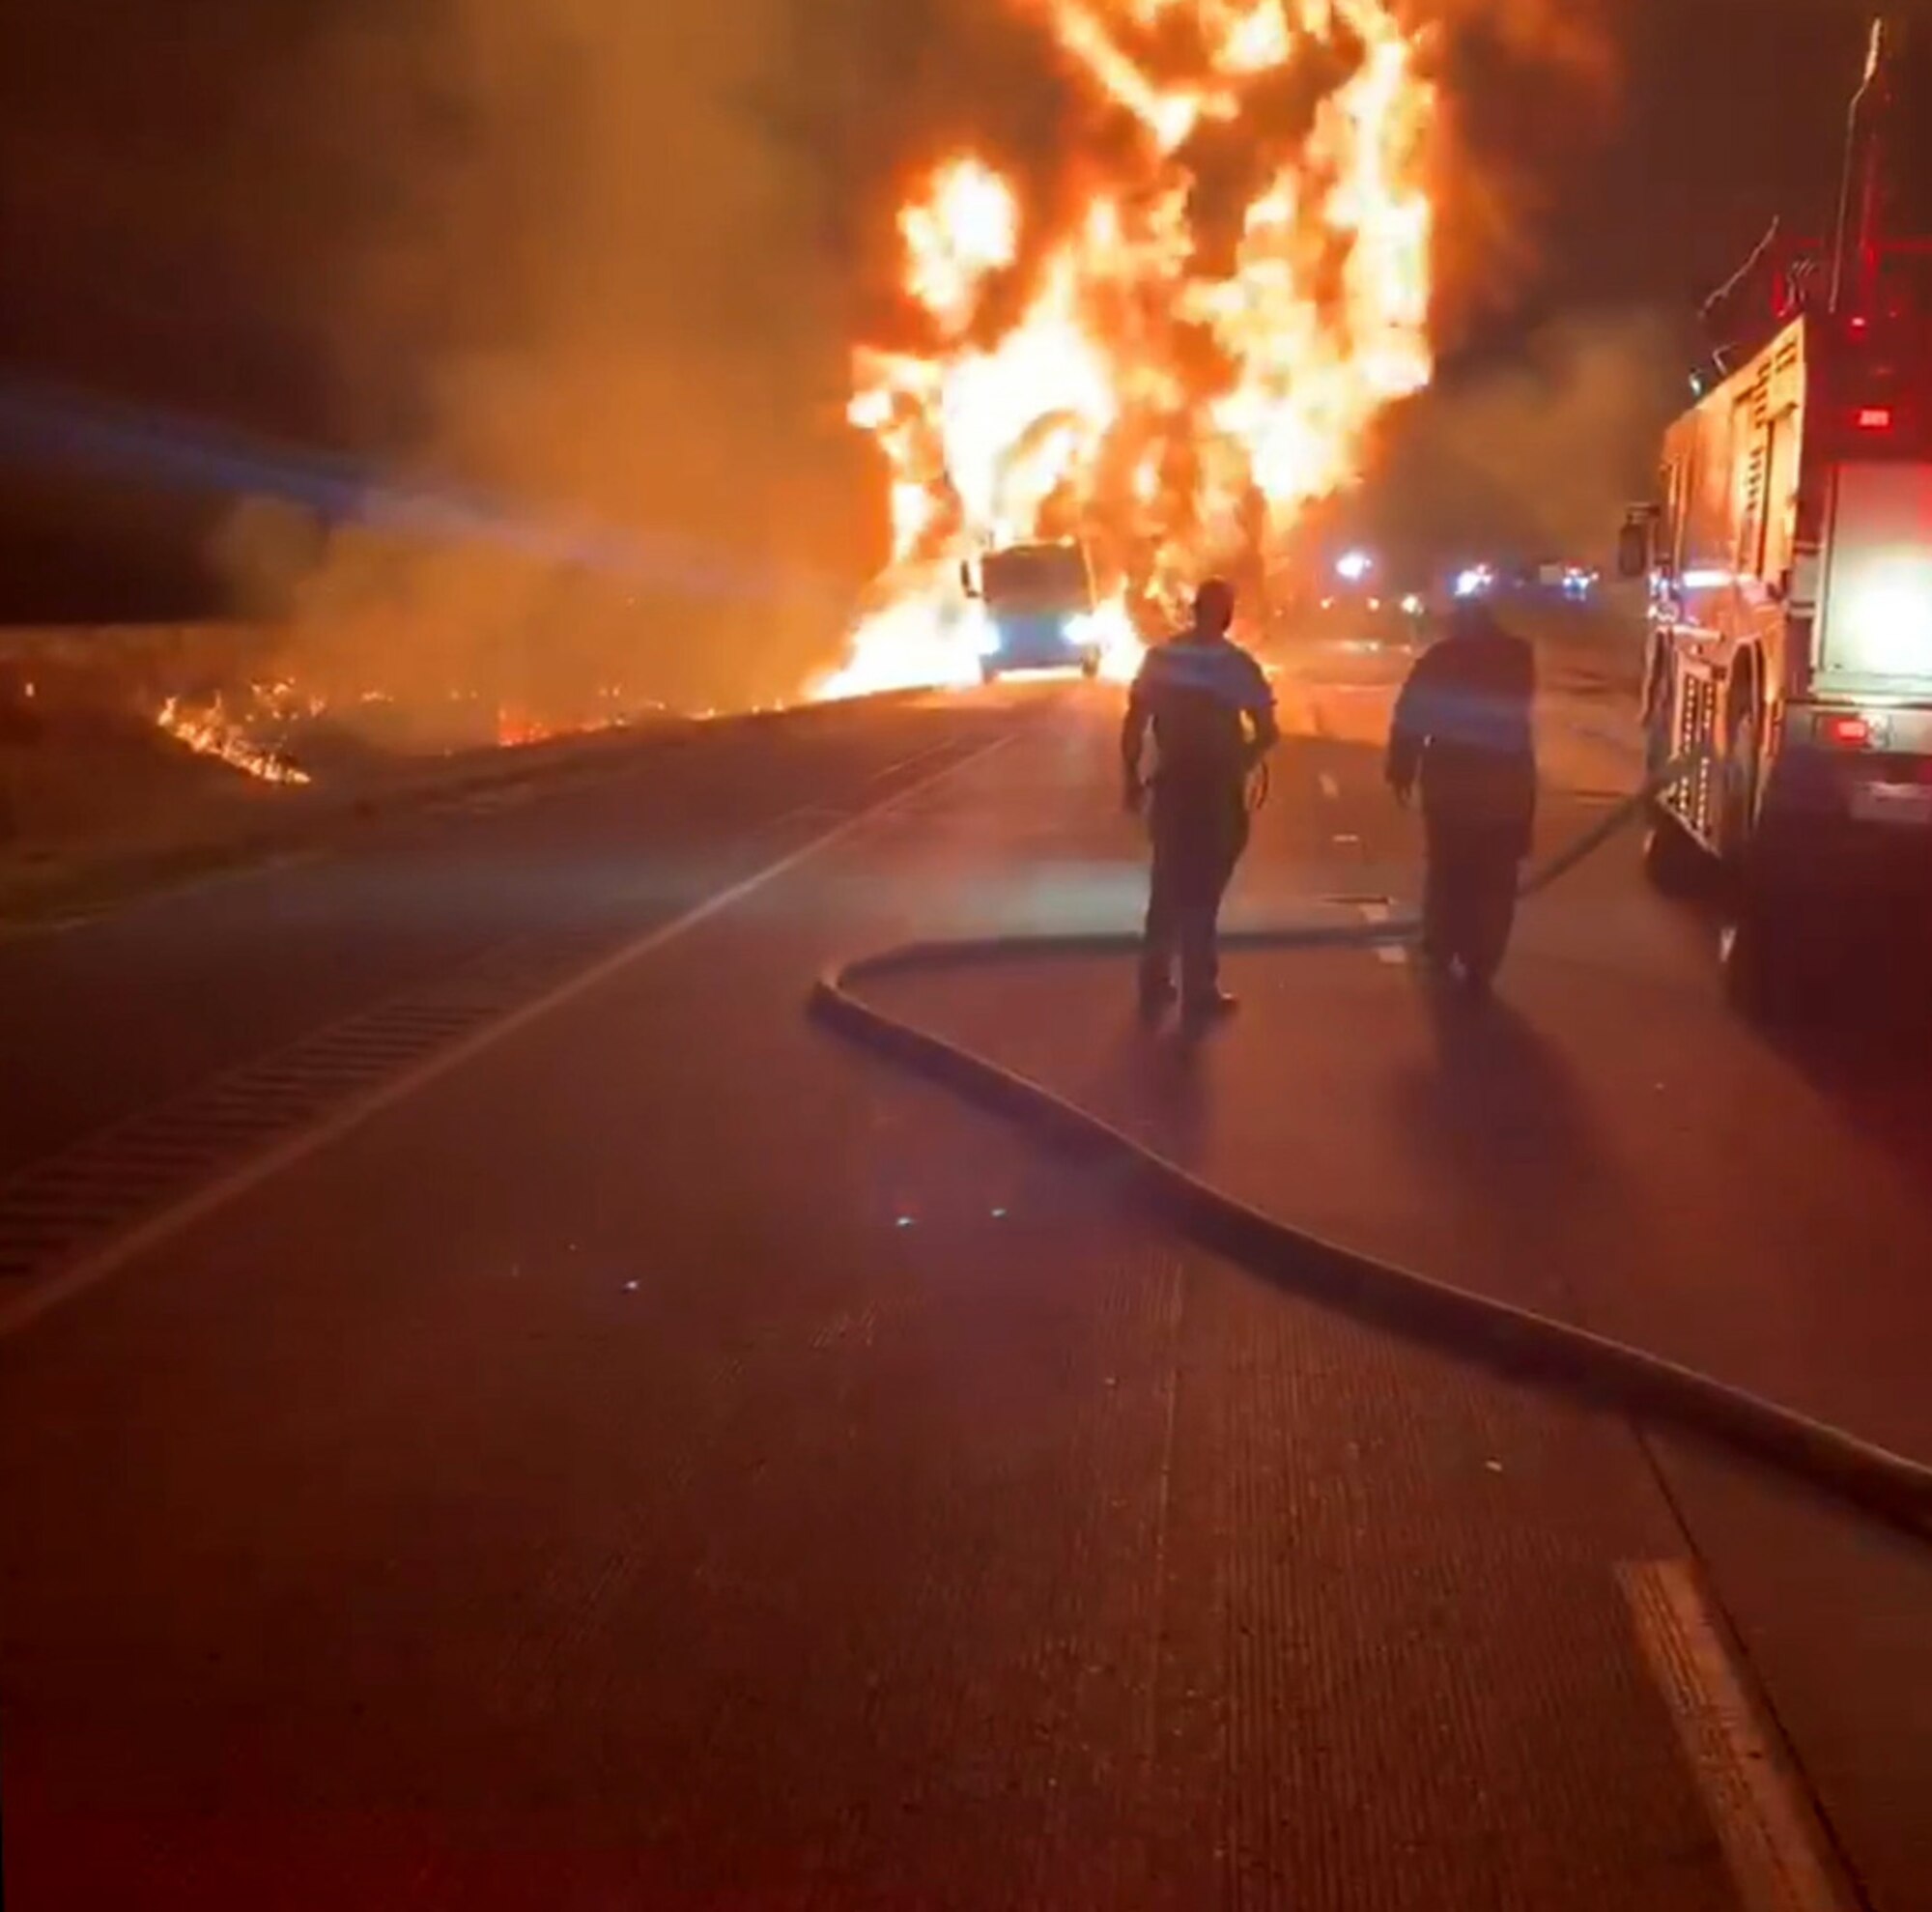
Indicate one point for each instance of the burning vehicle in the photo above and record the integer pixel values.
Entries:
(1172, 373)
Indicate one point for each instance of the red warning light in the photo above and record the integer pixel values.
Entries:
(1875, 418)
(1848, 731)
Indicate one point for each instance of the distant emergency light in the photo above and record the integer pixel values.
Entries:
(1875, 418)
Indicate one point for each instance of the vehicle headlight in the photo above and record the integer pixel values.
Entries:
(981, 633)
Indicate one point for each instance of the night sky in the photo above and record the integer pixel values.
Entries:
(164, 242)
(1729, 112)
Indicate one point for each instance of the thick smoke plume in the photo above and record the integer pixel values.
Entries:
(590, 318)
(1529, 86)
(1535, 459)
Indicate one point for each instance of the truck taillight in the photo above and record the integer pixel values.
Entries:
(1875, 418)
(1849, 729)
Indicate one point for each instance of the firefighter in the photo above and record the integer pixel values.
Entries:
(1213, 717)
(1462, 728)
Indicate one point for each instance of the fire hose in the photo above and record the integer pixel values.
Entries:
(1514, 1342)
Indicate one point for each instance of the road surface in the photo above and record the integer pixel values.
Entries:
(497, 1410)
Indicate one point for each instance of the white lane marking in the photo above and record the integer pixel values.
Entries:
(1392, 953)
(1773, 1844)
(904, 764)
(1330, 788)
(485, 802)
(78, 1276)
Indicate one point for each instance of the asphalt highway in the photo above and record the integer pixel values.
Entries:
(593, 1440)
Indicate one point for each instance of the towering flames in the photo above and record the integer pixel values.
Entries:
(1179, 398)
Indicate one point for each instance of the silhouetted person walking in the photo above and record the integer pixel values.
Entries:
(1464, 728)
(1213, 717)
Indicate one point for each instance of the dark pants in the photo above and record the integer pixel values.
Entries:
(1198, 835)
(1468, 896)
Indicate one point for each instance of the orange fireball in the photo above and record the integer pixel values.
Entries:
(1176, 396)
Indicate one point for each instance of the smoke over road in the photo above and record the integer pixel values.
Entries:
(1537, 456)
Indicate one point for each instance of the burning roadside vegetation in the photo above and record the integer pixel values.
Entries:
(117, 740)
(278, 733)
(209, 729)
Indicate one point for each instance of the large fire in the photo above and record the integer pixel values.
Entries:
(1176, 396)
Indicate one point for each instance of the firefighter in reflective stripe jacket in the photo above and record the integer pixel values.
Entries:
(1464, 728)
(1213, 717)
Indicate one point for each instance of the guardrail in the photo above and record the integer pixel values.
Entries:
(111, 665)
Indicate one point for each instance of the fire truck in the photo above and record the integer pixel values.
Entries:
(1789, 636)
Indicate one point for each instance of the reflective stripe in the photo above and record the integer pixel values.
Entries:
(1225, 672)
(1483, 720)
(1197, 696)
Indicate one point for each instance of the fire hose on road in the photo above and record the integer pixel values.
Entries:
(1517, 1342)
